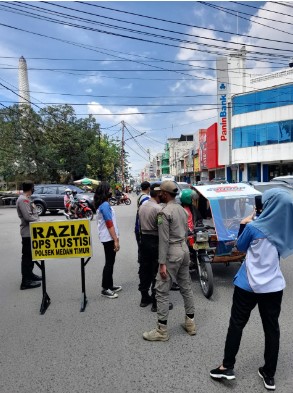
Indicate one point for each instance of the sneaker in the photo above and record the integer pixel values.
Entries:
(29, 284)
(160, 333)
(116, 288)
(189, 326)
(269, 382)
(109, 294)
(228, 373)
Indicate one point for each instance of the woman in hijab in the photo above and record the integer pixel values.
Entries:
(260, 281)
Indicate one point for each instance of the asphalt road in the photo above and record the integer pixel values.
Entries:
(102, 350)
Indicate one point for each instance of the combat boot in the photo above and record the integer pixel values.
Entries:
(160, 333)
(189, 326)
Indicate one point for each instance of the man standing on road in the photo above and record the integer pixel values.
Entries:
(173, 263)
(149, 248)
(143, 197)
(27, 213)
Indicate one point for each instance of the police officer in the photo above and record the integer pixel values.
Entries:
(173, 263)
(27, 213)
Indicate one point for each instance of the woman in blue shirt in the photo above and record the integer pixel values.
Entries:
(109, 237)
(260, 281)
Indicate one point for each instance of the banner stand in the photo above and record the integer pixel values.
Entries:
(46, 300)
(83, 293)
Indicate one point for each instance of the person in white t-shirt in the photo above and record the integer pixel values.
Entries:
(109, 237)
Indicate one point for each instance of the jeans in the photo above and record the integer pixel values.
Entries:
(149, 252)
(110, 255)
(269, 306)
(27, 264)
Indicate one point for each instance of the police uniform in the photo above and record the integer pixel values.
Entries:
(173, 251)
(27, 213)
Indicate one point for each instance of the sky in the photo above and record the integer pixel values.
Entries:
(150, 64)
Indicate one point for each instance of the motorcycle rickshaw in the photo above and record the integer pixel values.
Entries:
(225, 205)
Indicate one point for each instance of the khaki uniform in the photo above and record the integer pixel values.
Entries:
(173, 251)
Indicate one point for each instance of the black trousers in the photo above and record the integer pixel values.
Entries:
(149, 252)
(269, 306)
(138, 241)
(110, 255)
(27, 264)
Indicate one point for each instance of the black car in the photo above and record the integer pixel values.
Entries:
(51, 197)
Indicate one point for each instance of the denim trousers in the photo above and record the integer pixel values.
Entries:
(269, 306)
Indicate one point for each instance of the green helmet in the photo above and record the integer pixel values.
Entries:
(187, 195)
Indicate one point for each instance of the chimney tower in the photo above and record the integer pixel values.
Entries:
(23, 86)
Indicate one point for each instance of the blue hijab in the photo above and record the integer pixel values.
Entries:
(276, 220)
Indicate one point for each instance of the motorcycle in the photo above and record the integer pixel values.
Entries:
(124, 199)
(83, 211)
(201, 255)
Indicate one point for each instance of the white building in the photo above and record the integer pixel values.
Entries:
(262, 127)
(177, 148)
(255, 120)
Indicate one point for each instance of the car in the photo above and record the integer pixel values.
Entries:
(264, 186)
(51, 197)
(286, 179)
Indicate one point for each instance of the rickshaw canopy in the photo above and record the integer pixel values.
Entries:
(229, 204)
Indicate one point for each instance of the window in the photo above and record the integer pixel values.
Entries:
(38, 189)
(263, 134)
(50, 190)
(260, 100)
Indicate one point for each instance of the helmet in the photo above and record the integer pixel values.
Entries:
(187, 195)
(68, 191)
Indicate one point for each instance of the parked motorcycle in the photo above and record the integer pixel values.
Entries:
(201, 256)
(124, 199)
(83, 211)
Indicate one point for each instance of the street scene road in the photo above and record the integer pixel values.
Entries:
(102, 349)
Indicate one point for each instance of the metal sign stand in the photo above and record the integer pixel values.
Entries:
(46, 301)
(83, 293)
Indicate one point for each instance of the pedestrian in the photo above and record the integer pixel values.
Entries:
(260, 281)
(109, 237)
(173, 263)
(27, 213)
(149, 248)
(118, 195)
(143, 197)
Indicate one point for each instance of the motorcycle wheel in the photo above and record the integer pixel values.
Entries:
(206, 279)
(127, 201)
(89, 214)
(112, 202)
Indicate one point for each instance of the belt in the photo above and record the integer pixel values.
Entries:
(177, 243)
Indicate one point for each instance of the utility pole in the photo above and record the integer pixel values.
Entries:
(122, 153)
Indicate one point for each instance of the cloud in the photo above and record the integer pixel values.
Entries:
(88, 90)
(202, 113)
(130, 114)
(92, 79)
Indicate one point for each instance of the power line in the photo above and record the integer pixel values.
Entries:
(174, 22)
(242, 17)
(151, 34)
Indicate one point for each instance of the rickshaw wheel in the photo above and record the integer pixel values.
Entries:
(206, 280)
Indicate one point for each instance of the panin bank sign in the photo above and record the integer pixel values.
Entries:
(223, 128)
(223, 113)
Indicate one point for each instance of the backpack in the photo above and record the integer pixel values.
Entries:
(140, 201)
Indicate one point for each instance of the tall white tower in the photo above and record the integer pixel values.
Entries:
(23, 86)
